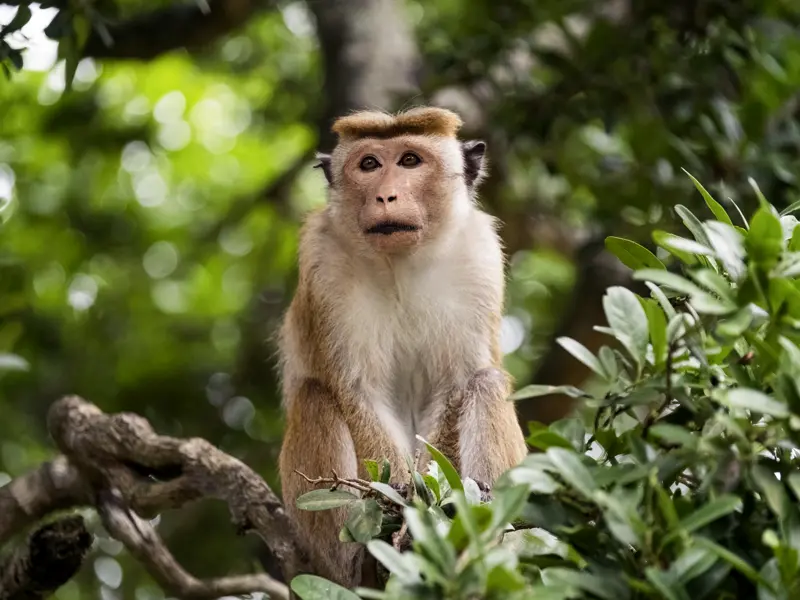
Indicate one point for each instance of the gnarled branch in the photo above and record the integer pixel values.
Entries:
(119, 465)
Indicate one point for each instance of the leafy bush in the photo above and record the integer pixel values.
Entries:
(685, 485)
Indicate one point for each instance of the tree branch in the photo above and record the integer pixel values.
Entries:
(142, 541)
(190, 25)
(55, 485)
(52, 555)
(118, 464)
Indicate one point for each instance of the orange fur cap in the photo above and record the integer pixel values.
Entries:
(425, 120)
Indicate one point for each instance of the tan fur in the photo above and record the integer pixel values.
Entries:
(426, 120)
(392, 336)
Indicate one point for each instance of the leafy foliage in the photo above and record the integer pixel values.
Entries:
(685, 485)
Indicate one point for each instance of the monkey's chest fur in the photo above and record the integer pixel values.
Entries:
(410, 346)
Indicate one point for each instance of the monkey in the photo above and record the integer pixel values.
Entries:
(393, 329)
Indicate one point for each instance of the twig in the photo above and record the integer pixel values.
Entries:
(144, 543)
(399, 538)
(335, 481)
(652, 416)
(50, 557)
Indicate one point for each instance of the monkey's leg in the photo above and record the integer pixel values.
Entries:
(490, 440)
(316, 442)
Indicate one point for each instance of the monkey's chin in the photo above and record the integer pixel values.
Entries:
(398, 242)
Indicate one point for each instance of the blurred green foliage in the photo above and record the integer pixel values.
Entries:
(147, 250)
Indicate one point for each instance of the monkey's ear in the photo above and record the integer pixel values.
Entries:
(474, 168)
(325, 165)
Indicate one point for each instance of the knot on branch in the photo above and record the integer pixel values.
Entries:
(57, 550)
(52, 555)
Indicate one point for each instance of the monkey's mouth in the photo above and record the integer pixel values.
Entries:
(390, 227)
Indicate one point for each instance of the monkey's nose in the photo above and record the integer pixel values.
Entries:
(389, 199)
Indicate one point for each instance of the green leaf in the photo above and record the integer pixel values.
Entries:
(507, 505)
(713, 281)
(392, 494)
(692, 563)
(397, 564)
(312, 587)
(572, 470)
(433, 484)
(544, 439)
(583, 354)
(674, 434)
(537, 480)
(601, 587)
(788, 224)
(534, 391)
(736, 324)
(707, 304)
(421, 490)
(693, 224)
(670, 280)
(662, 299)
(761, 199)
(683, 248)
(728, 247)
(791, 208)
(18, 21)
(608, 361)
(666, 504)
(324, 499)
(386, 471)
(772, 491)
(663, 582)
(445, 465)
(423, 529)
(15, 56)
(794, 483)
(631, 254)
(364, 520)
(627, 318)
(715, 206)
(729, 557)
(764, 241)
(755, 401)
(372, 469)
(707, 513)
(794, 242)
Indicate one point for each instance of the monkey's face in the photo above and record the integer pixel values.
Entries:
(397, 192)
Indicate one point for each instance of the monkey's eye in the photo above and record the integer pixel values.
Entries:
(369, 163)
(409, 159)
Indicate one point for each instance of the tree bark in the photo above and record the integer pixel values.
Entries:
(370, 58)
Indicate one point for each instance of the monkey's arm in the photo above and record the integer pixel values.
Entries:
(481, 431)
(317, 441)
